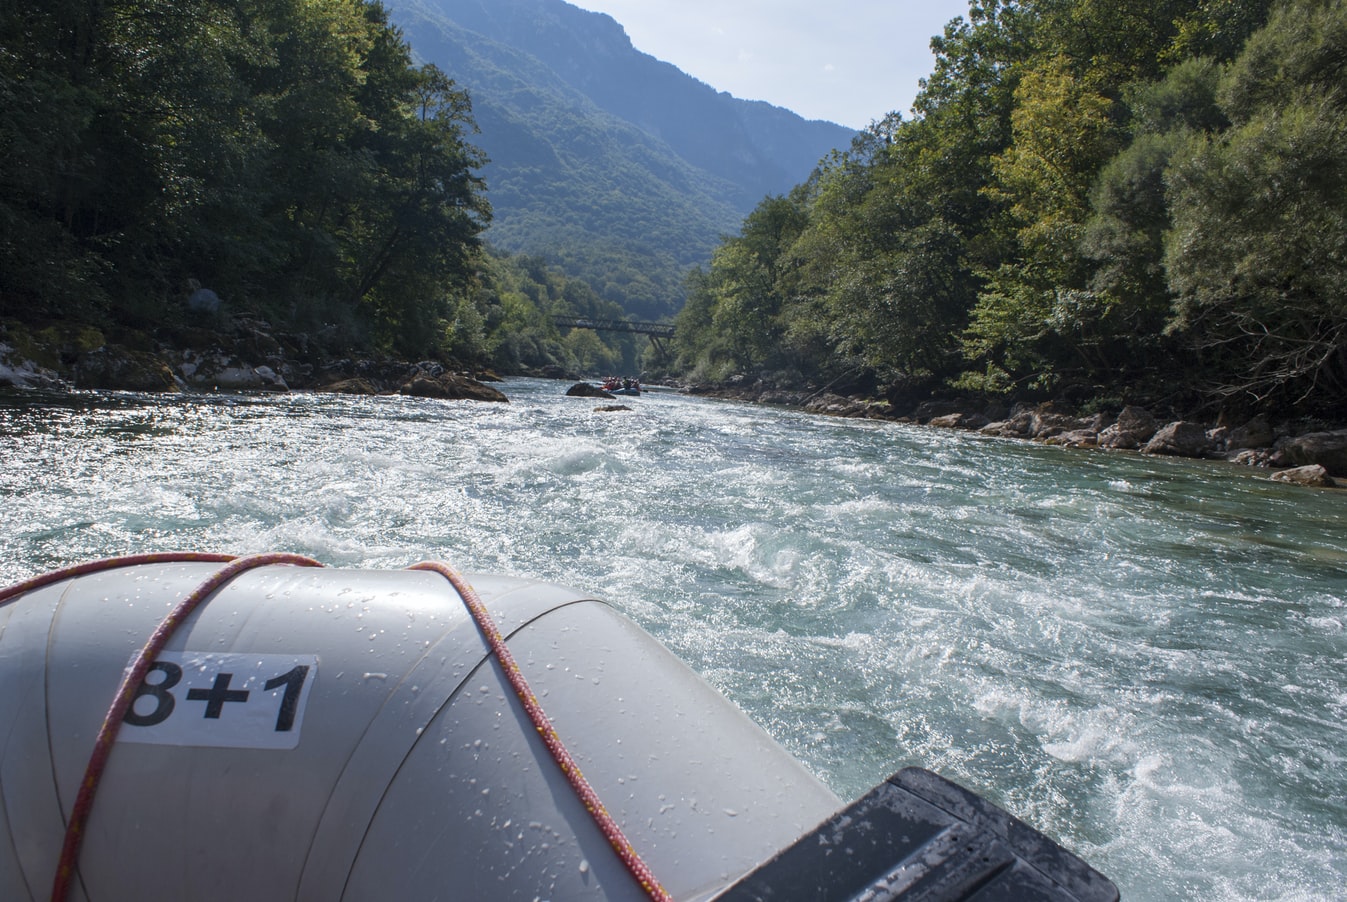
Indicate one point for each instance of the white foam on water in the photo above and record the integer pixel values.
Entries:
(1146, 659)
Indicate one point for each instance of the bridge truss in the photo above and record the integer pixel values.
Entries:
(658, 332)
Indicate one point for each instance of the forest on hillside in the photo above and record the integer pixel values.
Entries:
(170, 168)
(1097, 201)
(620, 169)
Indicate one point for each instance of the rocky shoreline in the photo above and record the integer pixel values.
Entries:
(1315, 457)
(247, 357)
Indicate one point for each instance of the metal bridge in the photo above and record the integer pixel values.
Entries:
(658, 332)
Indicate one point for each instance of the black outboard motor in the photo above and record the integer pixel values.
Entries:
(918, 836)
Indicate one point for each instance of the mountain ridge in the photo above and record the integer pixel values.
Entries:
(615, 165)
(657, 98)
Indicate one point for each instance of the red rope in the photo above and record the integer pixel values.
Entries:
(107, 734)
(609, 827)
(162, 557)
(112, 721)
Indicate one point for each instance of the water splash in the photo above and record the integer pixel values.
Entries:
(1144, 658)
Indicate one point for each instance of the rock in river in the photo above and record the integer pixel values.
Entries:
(585, 390)
(450, 387)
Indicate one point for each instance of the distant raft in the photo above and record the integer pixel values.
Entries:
(291, 732)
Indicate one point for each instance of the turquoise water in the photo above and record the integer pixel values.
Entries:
(1144, 658)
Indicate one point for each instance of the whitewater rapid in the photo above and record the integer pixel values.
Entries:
(1144, 658)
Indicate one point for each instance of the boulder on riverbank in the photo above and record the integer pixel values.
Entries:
(1134, 427)
(216, 370)
(835, 405)
(1049, 424)
(354, 386)
(959, 421)
(1075, 438)
(1324, 449)
(17, 371)
(1179, 439)
(112, 368)
(1256, 433)
(1313, 475)
(1019, 425)
(1045, 424)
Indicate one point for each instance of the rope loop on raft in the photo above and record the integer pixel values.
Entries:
(121, 702)
(543, 724)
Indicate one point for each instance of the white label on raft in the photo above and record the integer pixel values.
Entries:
(215, 699)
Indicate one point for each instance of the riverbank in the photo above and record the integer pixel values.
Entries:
(1304, 453)
(244, 354)
(247, 355)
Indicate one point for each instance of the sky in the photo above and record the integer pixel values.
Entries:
(847, 61)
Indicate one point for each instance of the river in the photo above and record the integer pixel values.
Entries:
(1144, 658)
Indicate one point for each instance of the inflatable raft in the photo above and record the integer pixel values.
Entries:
(199, 727)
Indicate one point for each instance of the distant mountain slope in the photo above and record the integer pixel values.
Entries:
(615, 165)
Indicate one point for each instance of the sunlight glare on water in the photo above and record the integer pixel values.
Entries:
(1146, 659)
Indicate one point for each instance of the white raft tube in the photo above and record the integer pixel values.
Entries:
(319, 734)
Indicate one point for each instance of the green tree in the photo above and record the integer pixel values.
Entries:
(1037, 317)
(1124, 237)
(878, 281)
(1256, 254)
(518, 300)
(284, 152)
(426, 212)
(734, 318)
(102, 134)
(590, 355)
(1216, 29)
(699, 349)
(874, 276)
